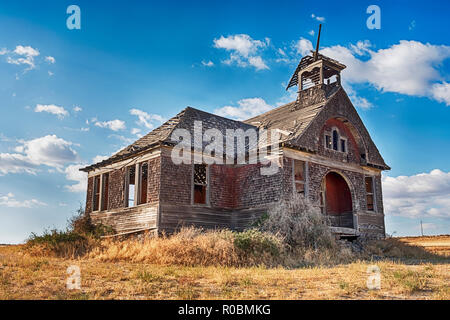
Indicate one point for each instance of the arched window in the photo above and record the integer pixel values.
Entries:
(335, 140)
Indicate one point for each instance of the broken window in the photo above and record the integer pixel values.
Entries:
(131, 178)
(299, 176)
(200, 184)
(143, 182)
(370, 194)
(105, 187)
(96, 197)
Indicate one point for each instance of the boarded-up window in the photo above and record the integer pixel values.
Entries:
(143, 180)
(131, 171)
(370, 194)
(200, 184)
(96, 198)
(299, 176)
(105, 188)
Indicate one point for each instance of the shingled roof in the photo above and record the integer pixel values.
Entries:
(162, 135)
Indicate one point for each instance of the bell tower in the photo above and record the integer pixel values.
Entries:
(317, 76)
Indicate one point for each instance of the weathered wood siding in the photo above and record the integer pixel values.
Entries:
(125, 220)
(174, 217)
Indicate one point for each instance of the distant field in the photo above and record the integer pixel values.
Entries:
(436, 244)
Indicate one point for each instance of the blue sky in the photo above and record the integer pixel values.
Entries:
(68, 97)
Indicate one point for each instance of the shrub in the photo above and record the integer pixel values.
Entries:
(299, 223)
(77, 240)
(196, 247)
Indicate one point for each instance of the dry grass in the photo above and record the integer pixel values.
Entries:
(27, 277)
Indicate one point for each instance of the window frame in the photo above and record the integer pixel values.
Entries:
(373, 194)
(207, 185)
(94, 193)
(139, 187)
(103, 206)
(305, 177)
(339, 138)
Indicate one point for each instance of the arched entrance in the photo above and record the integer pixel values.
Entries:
(336, 200)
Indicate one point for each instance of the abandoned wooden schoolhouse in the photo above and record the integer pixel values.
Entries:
(325, 152)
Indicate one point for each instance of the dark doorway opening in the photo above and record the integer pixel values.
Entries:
(338, 200)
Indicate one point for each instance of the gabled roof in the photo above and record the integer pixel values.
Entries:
(292, 120)
(162, 135)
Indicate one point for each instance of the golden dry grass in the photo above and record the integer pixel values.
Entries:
(28, 277)
(436, 244)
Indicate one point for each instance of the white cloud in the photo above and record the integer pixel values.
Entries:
(244, 51)
(10, 201)
(73, 173)
(23, 55)
(53, 109)
(99, 158)
(136, 131)
(409, 67)
(146, 119)
(421, 195)
(441, 92)
(77, 109)
(320, 19)
(311, 32)
(303, 46)
(208, 63)
(15, 163)
(114, 125)
(247, 108)
(50, 59)
(49, 150)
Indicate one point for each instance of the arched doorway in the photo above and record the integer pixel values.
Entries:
(336, 200)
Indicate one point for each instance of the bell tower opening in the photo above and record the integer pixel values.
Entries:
(316, 75)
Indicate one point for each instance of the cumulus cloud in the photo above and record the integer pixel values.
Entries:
(247, 108)
(16, 163)
(409, 67)
(146, 119)
(244, 51)
(73, 173)
(23, 55)
(49, 150)
(10, 201)
(114, 125)
(77, 109)
(60, 112)
(421, 195)
(303, 46)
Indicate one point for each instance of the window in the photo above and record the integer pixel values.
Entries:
(299, 176)
(96, 197)
(105, 186)
(335, 140)
(343, 145)
(200, 184)
(143, 182)
(370, 194)
(131, 181)
(328, 141)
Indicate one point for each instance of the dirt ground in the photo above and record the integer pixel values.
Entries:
(26, 277)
